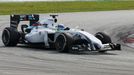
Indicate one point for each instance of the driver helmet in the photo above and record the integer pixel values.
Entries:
(61, 27)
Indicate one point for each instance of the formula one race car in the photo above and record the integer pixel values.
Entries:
(52, 35)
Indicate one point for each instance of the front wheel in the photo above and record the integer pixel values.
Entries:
(63, 42)
(104, 38)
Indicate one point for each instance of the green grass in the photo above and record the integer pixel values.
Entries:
(57, 7)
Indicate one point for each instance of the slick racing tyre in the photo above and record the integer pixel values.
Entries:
(104, 38)
(10, 36)
(63, 42)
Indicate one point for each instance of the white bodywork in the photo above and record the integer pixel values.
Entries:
(39, 34)
(93, 39)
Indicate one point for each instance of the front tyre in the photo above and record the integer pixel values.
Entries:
(60, 43)
(63, 42)
(10, 36)
(104, 38)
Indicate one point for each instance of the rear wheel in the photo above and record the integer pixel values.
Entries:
(104, 38)
(10, 36)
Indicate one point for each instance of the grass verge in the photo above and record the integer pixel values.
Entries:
(57, 7)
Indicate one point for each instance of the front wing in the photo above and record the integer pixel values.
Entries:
(107, 47)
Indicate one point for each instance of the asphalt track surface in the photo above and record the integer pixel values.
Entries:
(22, 60)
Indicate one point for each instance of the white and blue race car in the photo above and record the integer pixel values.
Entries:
(52, 35)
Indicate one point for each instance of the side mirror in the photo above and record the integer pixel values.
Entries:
(23, 27)
(55, 20)
(82, 29)
(67, 28)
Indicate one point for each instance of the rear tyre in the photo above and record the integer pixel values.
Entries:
(10, 36)
(63, 42)
(104, 38)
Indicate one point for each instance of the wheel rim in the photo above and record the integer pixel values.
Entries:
(60, 42)
(5, 36)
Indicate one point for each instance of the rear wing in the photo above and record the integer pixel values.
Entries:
(15, 19)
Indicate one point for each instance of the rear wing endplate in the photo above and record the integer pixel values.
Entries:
(15, 19)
